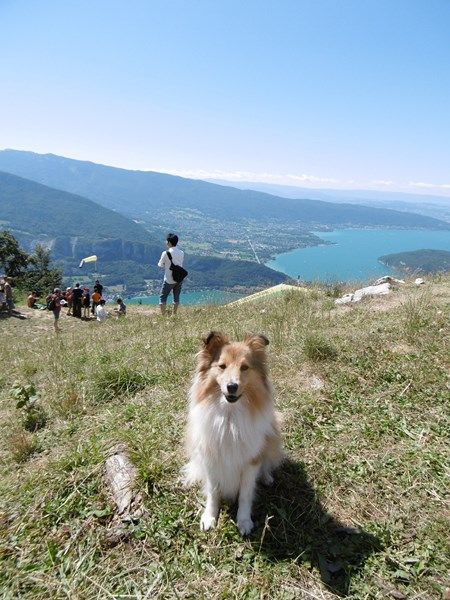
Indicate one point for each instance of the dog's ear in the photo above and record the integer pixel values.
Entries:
(214, 340)
(212, 343)
(256, 341)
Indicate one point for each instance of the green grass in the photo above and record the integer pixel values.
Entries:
(317, 348)
(357, 511)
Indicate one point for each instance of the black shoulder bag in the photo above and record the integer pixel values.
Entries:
(178, 273)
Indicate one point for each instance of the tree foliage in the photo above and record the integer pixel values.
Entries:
(30, 272)
(40, 276)
(13, 259)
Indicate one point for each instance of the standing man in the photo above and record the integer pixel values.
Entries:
(77, 294)
(98, 287)
(54, 304)
(9, 295)
(169, 284)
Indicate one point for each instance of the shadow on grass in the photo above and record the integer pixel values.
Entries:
(298, 528)
(5, 314)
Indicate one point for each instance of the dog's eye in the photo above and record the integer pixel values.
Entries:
(222, 366)
(244, 367)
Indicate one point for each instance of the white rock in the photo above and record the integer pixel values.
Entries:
(419, 281)
(345, 299)
(387, 279)
(371, 290)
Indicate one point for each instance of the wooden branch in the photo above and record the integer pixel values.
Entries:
(120, 477)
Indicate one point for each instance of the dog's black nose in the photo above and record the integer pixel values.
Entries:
(232, 388)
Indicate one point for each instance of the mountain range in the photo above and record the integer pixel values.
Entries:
(74, 227)
(138, 193)
(423, 204)
(78, 208)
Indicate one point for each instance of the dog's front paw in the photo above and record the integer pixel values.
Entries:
(207, 521)
(245, 526)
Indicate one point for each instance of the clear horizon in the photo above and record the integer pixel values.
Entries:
(302, 93)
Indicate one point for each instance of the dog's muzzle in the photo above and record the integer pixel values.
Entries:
(232, 395)
(231, 398)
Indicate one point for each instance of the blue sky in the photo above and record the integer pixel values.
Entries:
(320, 93)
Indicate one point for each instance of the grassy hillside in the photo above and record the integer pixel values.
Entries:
(139, 193)
(29, 207)
(358, 509)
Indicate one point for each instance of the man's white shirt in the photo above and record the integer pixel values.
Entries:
(164, 262)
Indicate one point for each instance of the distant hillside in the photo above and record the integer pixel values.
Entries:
(74, 227)
(71, 225)
(426, 261)
(152, 194)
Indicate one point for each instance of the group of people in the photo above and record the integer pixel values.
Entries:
(78, 299)
(82, 304)
(78, 302)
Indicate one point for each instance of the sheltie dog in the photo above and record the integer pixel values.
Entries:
(233, 435)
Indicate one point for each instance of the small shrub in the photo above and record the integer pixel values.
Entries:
(22, 445)
(316, 348)
(33, 415)
(33, 419)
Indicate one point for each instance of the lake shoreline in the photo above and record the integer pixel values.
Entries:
(353, 254)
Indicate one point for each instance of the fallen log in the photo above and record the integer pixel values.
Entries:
(120, 477)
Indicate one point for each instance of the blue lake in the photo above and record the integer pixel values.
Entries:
(191, 298)
(354, 253)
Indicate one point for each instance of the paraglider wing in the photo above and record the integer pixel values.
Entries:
(88, 259)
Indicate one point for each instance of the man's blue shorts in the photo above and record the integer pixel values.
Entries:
(166, 289)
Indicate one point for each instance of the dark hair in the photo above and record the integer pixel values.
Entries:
(172, 239)
(119, 300)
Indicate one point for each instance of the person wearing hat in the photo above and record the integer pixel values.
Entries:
(54, 304)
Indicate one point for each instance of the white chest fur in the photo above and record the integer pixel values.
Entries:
(224, 439)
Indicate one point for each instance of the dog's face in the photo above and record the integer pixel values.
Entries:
(237, 368)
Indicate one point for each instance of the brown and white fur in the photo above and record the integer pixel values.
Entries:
(232, 434)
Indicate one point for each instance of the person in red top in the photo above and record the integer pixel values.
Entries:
(67, 295)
